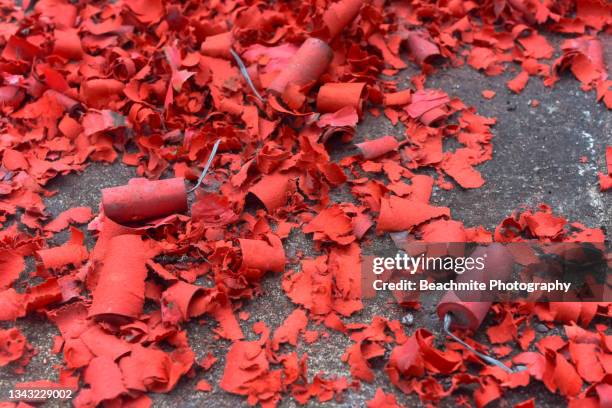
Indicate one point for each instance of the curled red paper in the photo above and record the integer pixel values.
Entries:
(218, 45)
(142, 199)
(11, 264)
(588, 47)
(305, 67)
(68, 103)
(77, 215)
(428, 106)
(72, 253)
(11, 96)
(398, 98)
(339, 15)
(422, 48)
(268, 255)
(58, 257)
(272, 190)
(151, 369)
(378, 147)
(469, 315)
(119, 294)
(334, 96)
(401, 214)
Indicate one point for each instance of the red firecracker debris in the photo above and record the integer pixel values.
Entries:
(282, 87)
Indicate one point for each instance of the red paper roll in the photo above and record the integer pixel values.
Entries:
(469, 315)
(58, 257)
(263, 255)
(590, 47)
(398, 98)
(119, 293)
(142, 199)
(340, 14)
(334, 96)
(422, 47)
(218, 45)
(272, 190)
(306, 66)
(377, 147)
(70, 104)
(72, 253)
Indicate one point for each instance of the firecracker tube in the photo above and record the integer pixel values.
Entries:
(306, 66)
(119, 293)
(340, 14)
(498, 265)
(142, 199)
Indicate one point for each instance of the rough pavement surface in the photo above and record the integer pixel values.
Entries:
(537, 153)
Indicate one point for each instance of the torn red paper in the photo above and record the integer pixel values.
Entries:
(372, 149)
(77, 215)
(335, 96)
(119, 292)
(400, 214)
(429, 106)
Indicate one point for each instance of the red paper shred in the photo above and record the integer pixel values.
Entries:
(379, 147)
(13, 346)
(203, 386)
(518, 83)
(488, 94)
(12, 264)
(382, 400)
(78, 215)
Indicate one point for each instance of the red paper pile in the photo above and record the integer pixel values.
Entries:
(154, 84)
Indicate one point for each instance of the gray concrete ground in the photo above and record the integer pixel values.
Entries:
(536, 159)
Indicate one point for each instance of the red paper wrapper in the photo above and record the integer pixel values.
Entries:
(469, 315)
(272, 190)
(305, 67)
(378, 147)
(72, 253)
(180, 299)
(11, 96)
(421, 47)
(142, 199)
(398, 98)
(263, 255)
(67, 102)
(58, 257)
(402, 214)
(218, 45)
(590, 47)
(334, 96)
(428, 105)
(119, 293)
(339, 15)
